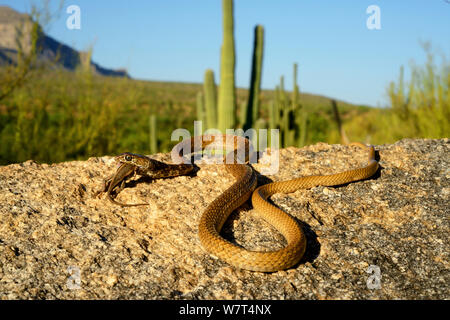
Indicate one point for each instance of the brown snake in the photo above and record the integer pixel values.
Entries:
(240, 191)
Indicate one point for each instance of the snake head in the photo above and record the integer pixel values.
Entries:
(151, 167)
(140, 161)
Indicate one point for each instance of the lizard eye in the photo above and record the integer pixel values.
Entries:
(128, 157)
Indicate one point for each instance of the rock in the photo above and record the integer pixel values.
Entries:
(58, 241)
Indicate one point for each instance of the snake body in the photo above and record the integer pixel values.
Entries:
(242, 189)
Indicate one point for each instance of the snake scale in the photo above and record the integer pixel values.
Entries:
(239, 150)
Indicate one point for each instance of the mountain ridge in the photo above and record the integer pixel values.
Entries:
(15, 31)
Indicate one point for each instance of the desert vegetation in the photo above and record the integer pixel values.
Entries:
(50, 114)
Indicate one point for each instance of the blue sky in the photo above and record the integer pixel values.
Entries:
(338, 56)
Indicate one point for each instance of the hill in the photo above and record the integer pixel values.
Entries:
(14, 32)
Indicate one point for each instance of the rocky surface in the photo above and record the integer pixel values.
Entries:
(53, 229)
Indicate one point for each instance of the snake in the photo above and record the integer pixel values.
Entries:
(238, 152)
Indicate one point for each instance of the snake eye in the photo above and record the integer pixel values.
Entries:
(128, 157)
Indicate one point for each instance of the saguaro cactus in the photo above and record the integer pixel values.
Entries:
(295, 91)
(288, 113)
(209, 89)
(227, 94)
(298, 112)
(255, 80)
(285, 121)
